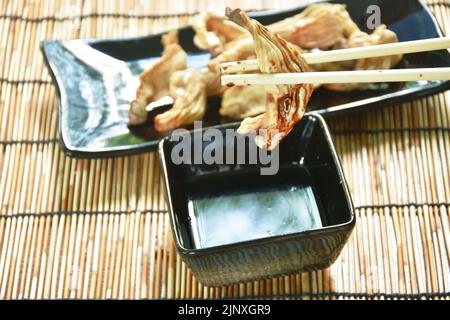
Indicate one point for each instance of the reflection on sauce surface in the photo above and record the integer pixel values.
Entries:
(236, 217)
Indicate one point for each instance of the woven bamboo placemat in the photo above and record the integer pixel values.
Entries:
(72, 228)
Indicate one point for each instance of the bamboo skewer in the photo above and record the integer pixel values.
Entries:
(349, 53)
(360, 76)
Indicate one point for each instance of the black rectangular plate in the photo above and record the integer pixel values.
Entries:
(91, 77)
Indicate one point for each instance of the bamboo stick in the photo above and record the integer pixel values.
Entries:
(360, 76)
(349, 53)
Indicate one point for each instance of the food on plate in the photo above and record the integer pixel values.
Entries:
(321, 25)
(189, 89)
(213, 32)
(155, 80)
(240, 102)
(239, 49)
(285, 104)
(189, 92)
(381, 35)
(278, 47)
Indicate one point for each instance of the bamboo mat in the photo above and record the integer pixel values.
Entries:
(74, 228)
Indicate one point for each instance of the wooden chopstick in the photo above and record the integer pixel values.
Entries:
(367, 76)
(350, 54)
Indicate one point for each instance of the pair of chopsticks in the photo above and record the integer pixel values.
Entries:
(360, 76)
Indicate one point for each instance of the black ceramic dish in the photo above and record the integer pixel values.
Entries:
(231, 224)
(92, 75)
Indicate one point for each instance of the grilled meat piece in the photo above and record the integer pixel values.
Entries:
(189, 91)
(213, 32)
(156, 78)
(285, 104)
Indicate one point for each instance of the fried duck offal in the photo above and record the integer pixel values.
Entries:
(213, 32)
(285, 104)
(320, 25)
(188, 89)
(155, 80)
(240, 102)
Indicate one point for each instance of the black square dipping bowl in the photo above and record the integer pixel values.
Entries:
(233, 221)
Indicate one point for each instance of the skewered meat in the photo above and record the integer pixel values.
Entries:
(285, 104)
(189, 91)
(213, 32)
(155, 80)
